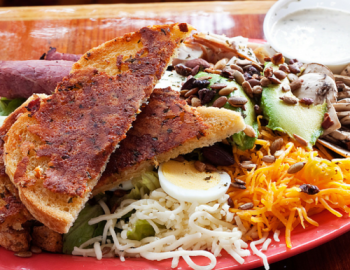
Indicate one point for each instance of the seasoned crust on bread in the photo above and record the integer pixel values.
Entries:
(165, 122)
(53, 189)
(221, 124)
(146, 52)
(78, 128)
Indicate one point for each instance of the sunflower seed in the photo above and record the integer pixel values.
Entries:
(249, 131)
(234, 101)
(221, 64)
(24, 254)
(265, 81)
(246, 206)
(274, 80)
(243, 63)
(218, 86)
(292, 77)
(289, 100)
(210, 168)
(286, 88)
(257, 90)
(254, 82)
(238, 76)
(279, 74)
(247, 89)
(295, 85)
(236, 67)
(35, 249)
(193, 91)
(296, 167)
(220, 102)
(248, 166)
(268, 159)
(236, 185)
(258, 110)
(294, 69)
(257, 66)
(276, 145)
(196, 102)
(204, 78)
(183, 92)
(239, 181)
(300, 140)
(284, 68)
(200, 166)
(230, 202)
(227, 90)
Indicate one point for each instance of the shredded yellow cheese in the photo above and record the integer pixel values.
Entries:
(277, 198)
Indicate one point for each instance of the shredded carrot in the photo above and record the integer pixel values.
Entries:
(276, 195)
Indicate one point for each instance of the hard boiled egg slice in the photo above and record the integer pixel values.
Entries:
(184, 182)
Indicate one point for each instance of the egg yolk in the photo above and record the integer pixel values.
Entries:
(185, 175)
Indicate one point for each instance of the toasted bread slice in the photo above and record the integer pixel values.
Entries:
(56, 152)
(166, 128)
(13, 214)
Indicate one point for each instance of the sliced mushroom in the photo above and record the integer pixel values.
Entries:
(317, 68)
(337, 149)
(344, 79)
(320, 88)
(189, 51)
(341, 107)
(345, 120)
(346, 71)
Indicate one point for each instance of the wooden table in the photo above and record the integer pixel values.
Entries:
(26, 33)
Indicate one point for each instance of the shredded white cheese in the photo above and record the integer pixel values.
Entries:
(182, 230)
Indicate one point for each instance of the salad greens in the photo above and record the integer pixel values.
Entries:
(140, 230)
(7, 106)
(81, 231)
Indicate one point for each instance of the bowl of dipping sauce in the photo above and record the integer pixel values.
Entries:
(311, 31)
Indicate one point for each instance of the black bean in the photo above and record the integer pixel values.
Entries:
(206, 95)
(218, 155)
(183, 70)
(309, 189)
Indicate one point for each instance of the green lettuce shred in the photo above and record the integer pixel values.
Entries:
(140, 230)
(148, 181)
(7, 106)
(81, 231)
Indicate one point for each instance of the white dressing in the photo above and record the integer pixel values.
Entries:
(314, 35)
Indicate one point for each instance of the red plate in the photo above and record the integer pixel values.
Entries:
(302, 240)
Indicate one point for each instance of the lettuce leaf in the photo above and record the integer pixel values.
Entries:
(7, 106)
(81, 231)
(140, 230)
(148, 181)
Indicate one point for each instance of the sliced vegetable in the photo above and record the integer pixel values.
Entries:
(140, 230)
(7, 106)
(243, 141)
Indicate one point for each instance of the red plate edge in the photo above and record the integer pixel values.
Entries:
(329, 228)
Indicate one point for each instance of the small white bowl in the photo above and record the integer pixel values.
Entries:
(283, 8)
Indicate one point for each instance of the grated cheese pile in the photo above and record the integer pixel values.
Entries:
(182, 229)
(277, 198)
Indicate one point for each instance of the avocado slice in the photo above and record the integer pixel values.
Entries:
(303, 120)
(243, 141)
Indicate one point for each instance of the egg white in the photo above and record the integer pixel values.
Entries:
(191, 195)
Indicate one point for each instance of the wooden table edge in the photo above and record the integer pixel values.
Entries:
(129, 10)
